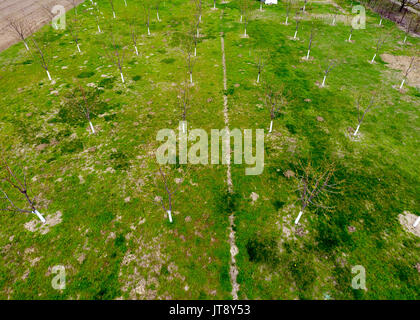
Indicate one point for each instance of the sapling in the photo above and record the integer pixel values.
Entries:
(243, 7)
(146, 10)
(11, 179)
(297, 19)
(288, 7)
(351, 33)
(82, 105)
(116, 55)
(379, 43)
(330, 66)
(310, 43)
(184, 102)
(361, 117)
(274, 100)
(169, 193)
(410, 67)
(304, 5)
(96, 12)
(157, 4)
(42, 59)
(260, 65)
(198, 8)
(407, 30)
(214, 4)
(111, 3)
(134, 34)
(21, 28)
(74, 31)
(314, 187)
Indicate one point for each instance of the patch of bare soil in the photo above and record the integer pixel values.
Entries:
(402, 63)
(30, 11)
(36, 225)
(407, 220)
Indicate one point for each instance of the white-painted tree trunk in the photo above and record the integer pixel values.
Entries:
(183, 126)
(113, 13)
(195, 51)
(380, 22)
(258, 78)
(191, 77)
(148, 31)
(304, 6)
(198, 33)
(122, 78)
(125, 2)
(323, 81)
(39, 216)
(26, 45)
(169, 216)
(405, 39)
(357, 129)
(137, 51)
(271, 126)
(99, 29)
(373, 59)
(350, 37)
(261, 7)
(307, 56)
(245, 33)
(199, 18)
(49, 76)
(298, 217)
(294, 37)
(78, 48)
(416, 223)
(91, 127)
(287, 19)
(157, 15)
(402, 83)
(333, 23)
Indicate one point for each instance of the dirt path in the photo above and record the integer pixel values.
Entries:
(232, 240)
(29, 10)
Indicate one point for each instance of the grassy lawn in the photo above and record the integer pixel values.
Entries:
(109, 229)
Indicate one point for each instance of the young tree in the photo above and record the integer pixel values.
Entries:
(147, 7)
(157, 5)
(315, 187)
(288, 8)
(379, 43)
(260, 63)
(274, 100)
(97, 13)
(184, 102)
(304, 5)
(188, 50)
(330, 66)
(261, 5)
(11, 179)
(41, 57)
(297, 19)
(410, 67)
(169, 192)
(310, 43)
(21, 28)
(361, 117)
(81, 102)
(74, 28)
(407, 29)
(115, 54)
(198, 8)
(134, 33)
(111, 3)
(351, 33)
(214, 5)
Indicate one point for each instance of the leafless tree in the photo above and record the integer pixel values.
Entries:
(274, 100)
(41, 57)
(260, 63)
(157, 5)
(10, 178)
(330, 66)
(410, 67)
(379, 43)
(111, 3)
(310, 42)
(82, 104)
(198, 8)
(407, 29)
(288, 8)
(351, 33)
(360, 115)
(169, 192)
(184, 101)
(188, 48)
(134, 33)
(74, 28)
(314, 187)
(21, 28)
(115, 54)
(304, 5)
(97, 13)
(147, 7)
(297, 19)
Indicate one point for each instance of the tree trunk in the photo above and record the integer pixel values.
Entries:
(39, 216)
(298, 217)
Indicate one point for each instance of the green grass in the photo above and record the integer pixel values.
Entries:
(114, 239)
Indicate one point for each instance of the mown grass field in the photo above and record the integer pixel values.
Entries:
(112, 235)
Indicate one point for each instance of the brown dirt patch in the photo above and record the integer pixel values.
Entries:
(402, 63)
(407, 220)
